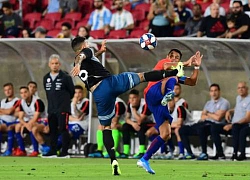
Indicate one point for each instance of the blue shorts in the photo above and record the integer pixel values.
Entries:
(107, 91)
(7, 123)
(153, 100)
(76, 130)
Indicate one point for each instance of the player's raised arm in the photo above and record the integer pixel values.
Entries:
(102, 49)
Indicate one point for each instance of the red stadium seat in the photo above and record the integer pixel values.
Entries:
(144, 25)
(31, 18)
(118, 34)
(53, 33)
(46, 23)
(85, 6)
(74, 32)
(178, 33)
(55, 17)
(143, 7)
(59, 24)
(97, 34)
(74, 16)
(84, 22)
(137, 33)
(44, 4)
(138, 15)
(127, 7)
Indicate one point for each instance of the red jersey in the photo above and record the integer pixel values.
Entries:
(158, 66)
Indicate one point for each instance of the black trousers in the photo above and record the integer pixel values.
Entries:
(127, 129)
(216, 130)
(240, 132)
(58, 125)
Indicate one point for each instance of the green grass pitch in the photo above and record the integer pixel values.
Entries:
(26, 168)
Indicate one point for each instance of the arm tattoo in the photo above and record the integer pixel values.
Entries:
(79, 58)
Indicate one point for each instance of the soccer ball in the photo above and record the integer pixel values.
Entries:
(148, 41)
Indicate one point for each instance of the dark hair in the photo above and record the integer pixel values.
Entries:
(134, 91)
(7, 5)
(178, 84)
(8, 84)
(24, 87)
(67, 24)
(215, 85)
(77, 42)
(32, 82)
(240, 2)
(86, 29)
(176, 50)
(78, 87)
(197, 5)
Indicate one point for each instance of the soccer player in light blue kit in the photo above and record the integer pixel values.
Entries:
(106, 87)
(157, 94)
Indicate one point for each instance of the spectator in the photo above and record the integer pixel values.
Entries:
(193, 23)
(137, 118)
(121, 19)
(66, 31)
(9, 106)
(26, 33)
(161, 15)
(222, 11)
(53, 6)
(31, 109)
(116, 126)
(12, 22)
(59, 89)
(213, 113)
(84, 32)
(231, 25)
(100, 18)
(242, 22)
(66, 6)
(40, 32)
(239, 117)
(184, 14)
(79, 118)
(213, 26)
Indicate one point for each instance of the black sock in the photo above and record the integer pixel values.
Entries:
(159, 75)
(109, 143)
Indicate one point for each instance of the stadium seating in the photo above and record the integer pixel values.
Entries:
(53, 33)
(85, 6)
(81, 23)
(118, 34)
(97, 34)
(46, 23)
(55, 17)
(74, 16)
(59, 24)
(31, 19)
(137, 33)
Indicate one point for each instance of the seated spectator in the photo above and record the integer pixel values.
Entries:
(79, 118)
(213, 26)
(121, 19)
(193, 24)
(161, 15)
(184, 14)
(242, 22)
(40, 32)
(31, 109)
(12, 22)
(116, 126)
(239, 119)
(212, 114)
(66, 6)
(66, 31)
(231, 27)
(26, 33)
(222, 11)
(137, 118)
(53, 6)
(100, 18)
(9, 105)
(84, 32)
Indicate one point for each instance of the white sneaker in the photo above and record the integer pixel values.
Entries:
(181, 156)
